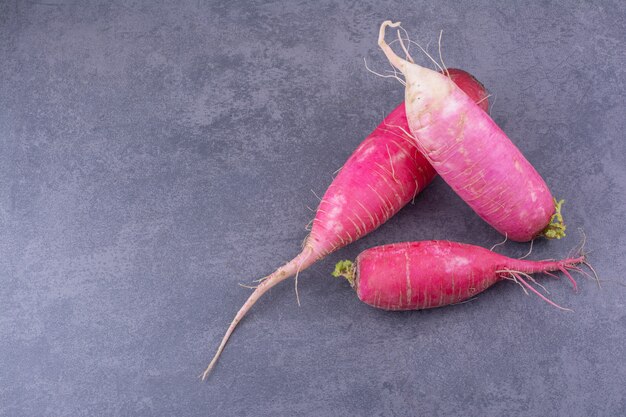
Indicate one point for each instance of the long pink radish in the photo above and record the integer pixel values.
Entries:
(428, 274)
(473, 155)
(383, 174)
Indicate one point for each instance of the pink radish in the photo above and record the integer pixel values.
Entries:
(428, 274)
(473, 155)
(383, 174)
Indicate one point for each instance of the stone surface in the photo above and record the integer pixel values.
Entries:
(153, 155)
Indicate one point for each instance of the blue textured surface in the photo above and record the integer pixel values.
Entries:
(153, 155)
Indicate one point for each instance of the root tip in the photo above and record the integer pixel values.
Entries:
(383, 26)
(394, 59)
(207, 371)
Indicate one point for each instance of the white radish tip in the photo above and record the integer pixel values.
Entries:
(306, 258)
(394, 59)
(383, 26)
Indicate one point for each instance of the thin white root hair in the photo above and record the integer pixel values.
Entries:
(296, 280)
(529, 251)
(384, 75)
(396, 134)
(381, 41)
(541, 286)
(403, 131)
(440, 56)
(530, 277)
(261, 279)
(408, 38)
(394, 71)
(406, 52)
(506, 237)
(417, 190)
(393, 171)
(512, 278)
(583, 272)
(493, 103)
(518, 277)
(252, 287)
(296, 288)
(316, 196)
(483, 99)
(544, 298)
(337, 170)
(427, 54)
(588, 265)
(474, 298)
(579, 249)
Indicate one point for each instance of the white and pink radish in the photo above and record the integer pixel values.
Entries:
(436, 273)
(384, 173)
(473, 155)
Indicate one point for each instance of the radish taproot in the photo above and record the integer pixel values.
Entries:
(382, 175)
(435, 273)
(473, 155)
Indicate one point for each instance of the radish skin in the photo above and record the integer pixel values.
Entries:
(384, 173)
(473, 155)
(436, 273)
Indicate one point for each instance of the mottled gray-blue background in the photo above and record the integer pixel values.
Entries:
(153, 155)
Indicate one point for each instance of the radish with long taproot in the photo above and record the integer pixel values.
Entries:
(382, 175)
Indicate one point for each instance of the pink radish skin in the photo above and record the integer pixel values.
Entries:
(473, 155)
(429, 274)
(384, 173)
